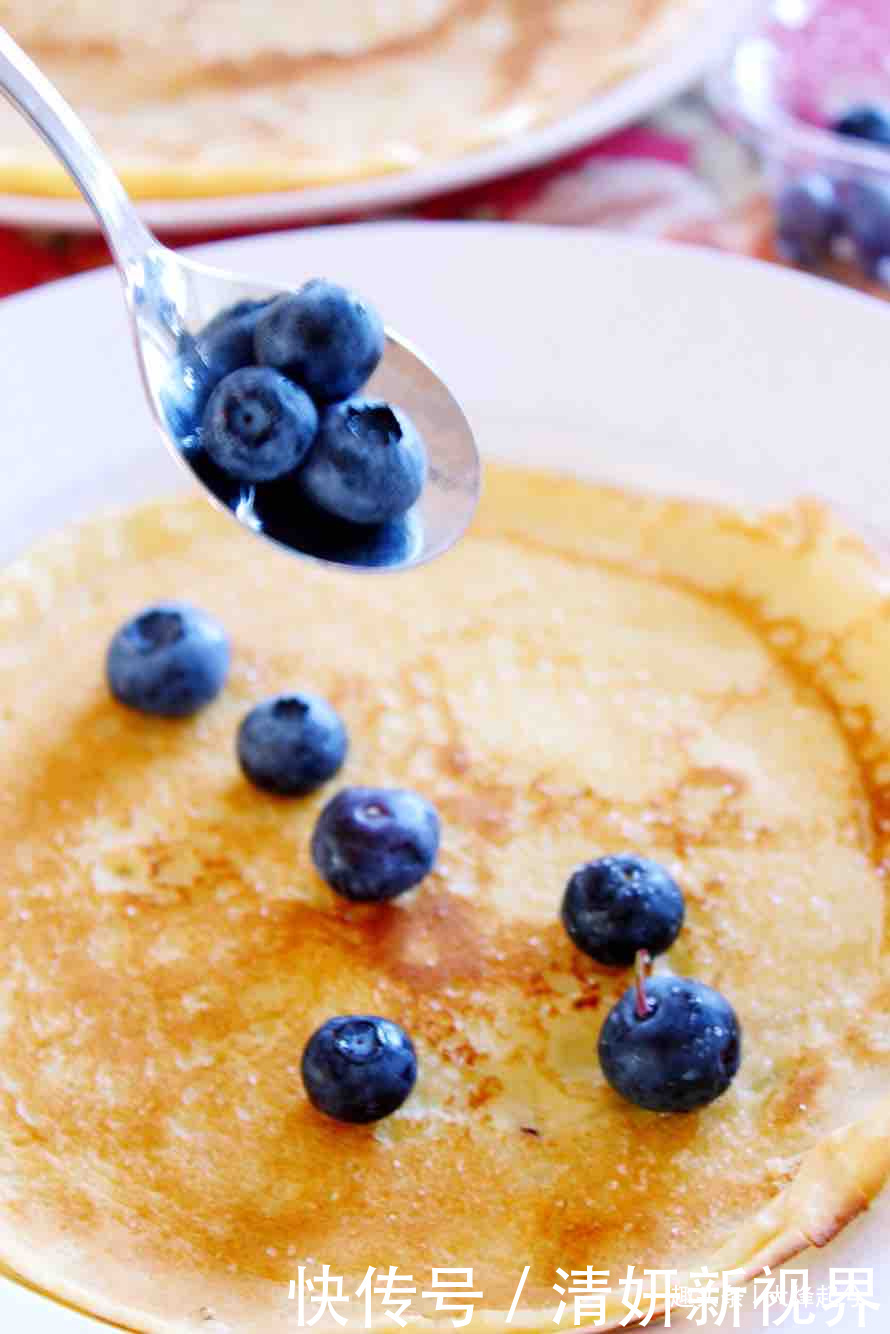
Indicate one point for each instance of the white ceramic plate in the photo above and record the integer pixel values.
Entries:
(634, 362)
(627, 101)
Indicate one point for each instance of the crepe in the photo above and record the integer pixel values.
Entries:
(590, 671)
(192, 97)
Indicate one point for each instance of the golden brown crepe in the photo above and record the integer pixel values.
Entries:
(591, 671)
(198, 97)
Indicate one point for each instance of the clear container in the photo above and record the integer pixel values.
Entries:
(792, 72)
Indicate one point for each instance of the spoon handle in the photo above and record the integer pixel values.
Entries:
(40, 102)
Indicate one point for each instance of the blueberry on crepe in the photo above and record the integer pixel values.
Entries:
(670, 1044)
(358, 1068)
(615, 906)
(170, 660)
(291, 744)
(372, 844)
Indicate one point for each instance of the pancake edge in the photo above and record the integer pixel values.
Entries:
(836, 1181)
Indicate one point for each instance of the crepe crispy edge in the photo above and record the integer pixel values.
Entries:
(836, 1181)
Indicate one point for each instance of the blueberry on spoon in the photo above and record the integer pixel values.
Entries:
(670, 1044)
(616, 906)
(291, 744)
(359, 1068)
(372, 844)
(290, 517)
(257, 425)
(368, 464)
(170, 660)
(225, 344)
(324, 337)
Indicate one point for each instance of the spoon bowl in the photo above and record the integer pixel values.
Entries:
(171, 299)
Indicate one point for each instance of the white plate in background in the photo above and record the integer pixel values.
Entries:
(627, 361)
(628, 100)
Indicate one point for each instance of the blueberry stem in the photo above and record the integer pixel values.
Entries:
(642, 969)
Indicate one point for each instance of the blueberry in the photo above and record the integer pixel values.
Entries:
(226, 488)
(866, 217)
(681, 1056)
(368, 463)
(616, 906)
(202, 360)
(808, 218)
(291, 744)
(371, 844)
(170, 660)
(359, 1068)
(258, 426)
(367, 546)
(226, 343)
(290, 517)
(324, 337)
(865, 122)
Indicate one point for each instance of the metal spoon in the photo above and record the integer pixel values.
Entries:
(170, 298)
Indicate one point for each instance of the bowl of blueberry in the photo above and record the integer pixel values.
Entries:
(808, 87)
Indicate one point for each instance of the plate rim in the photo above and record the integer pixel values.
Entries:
(583, 238)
